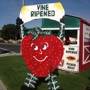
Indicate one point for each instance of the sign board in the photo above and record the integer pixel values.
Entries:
(54, 11)
(71, 59)
(86, 30)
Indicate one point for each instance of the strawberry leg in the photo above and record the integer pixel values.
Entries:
(31, 80)
(51, 82)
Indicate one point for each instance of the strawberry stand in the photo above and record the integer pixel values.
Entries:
(76, 56)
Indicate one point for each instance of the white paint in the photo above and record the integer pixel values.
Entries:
(40, 60)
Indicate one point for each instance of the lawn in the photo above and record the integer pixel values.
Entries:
(13, 72)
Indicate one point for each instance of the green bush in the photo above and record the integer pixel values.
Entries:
(10, 31)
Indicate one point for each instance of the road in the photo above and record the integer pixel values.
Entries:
(9, 48)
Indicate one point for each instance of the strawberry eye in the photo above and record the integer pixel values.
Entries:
(44, 47)
(35, 47)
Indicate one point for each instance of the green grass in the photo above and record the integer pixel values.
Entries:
(13, 73)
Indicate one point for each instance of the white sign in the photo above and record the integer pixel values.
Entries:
(54, 11)
(70, 59)
(86, 30)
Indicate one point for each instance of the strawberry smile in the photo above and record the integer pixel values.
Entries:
(40, 60)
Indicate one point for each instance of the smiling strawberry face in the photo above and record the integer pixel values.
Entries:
(42, 54)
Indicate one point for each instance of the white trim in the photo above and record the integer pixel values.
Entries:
(50, 28)
(85, 61)
(87, 46)
(83, 47)
(72, 28)
(59, 28)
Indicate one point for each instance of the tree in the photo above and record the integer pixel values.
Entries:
(10, 31)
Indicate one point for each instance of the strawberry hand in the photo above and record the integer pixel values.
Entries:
(61, 63)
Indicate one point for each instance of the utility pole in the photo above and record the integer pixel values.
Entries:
(23, 2)
(22, 25)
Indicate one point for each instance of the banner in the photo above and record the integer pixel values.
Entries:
(54, 11)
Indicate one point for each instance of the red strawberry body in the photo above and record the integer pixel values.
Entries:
(42, 55)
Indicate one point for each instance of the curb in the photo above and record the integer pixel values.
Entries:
(9, 54)
(2, 87)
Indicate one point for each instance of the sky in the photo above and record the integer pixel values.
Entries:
(10, 9)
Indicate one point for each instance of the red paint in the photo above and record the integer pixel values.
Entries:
(85, 53)
(42, 55)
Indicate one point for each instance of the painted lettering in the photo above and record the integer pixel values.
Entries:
(47, 8)
(70, 67)
(32, 13)
(38, 7)
(73, 52)
(71, 48)
(88, 29)
(53, 13)
(42, 13)
(42, 7)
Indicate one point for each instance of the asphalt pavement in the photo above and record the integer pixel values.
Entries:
(8, 49)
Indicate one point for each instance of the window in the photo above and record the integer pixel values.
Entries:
(70, 37)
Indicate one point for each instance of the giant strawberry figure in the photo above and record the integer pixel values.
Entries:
(42, 53)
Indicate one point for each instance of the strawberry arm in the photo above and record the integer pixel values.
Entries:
(61, 31)
(36, 32)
